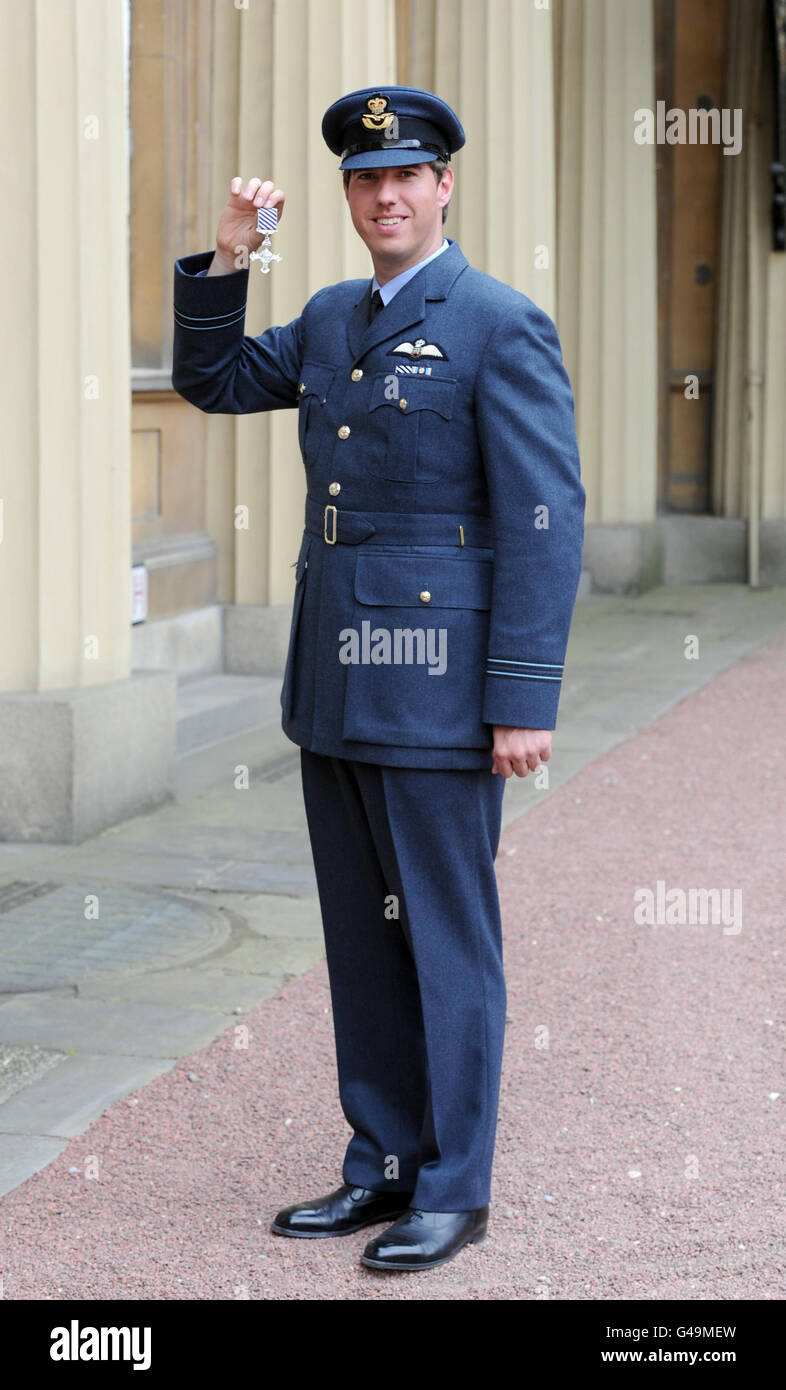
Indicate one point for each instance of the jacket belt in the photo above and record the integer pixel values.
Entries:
(337, 526)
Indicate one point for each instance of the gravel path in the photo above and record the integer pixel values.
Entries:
(640, 1148)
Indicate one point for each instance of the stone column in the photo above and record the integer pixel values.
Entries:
(607, 286)
(82, 744)
(492, 61)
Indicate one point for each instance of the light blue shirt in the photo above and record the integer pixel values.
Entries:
(399, 281)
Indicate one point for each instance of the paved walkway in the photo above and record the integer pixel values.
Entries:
(167, 1069)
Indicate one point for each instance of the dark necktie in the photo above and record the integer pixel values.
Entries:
(376, 305)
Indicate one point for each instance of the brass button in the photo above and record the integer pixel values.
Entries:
(425, 596)
(344, 432)
(356, 374)
(301, 388)
(402, 405)
(334, 489)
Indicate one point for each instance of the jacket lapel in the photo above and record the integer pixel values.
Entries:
(408, 307)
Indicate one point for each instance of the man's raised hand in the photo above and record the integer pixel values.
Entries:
(237, 228)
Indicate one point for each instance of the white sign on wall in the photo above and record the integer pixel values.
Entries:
(138, 593)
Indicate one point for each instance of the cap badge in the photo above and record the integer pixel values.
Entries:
(378, 121)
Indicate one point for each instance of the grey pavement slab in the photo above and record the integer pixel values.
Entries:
(21, 1155)
(263, 956)
(222, 843)
(192, 874)
(89, 1025)
(218, 992)
(252, 877)
(279, 916)
(63, 1102)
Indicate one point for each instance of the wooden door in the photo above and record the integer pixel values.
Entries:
(690, 65)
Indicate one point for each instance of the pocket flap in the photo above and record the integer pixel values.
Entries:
(397, 581)
(315, 380)
(418, 393)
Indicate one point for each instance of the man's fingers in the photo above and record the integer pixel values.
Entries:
(519, 751)
(258, 193)
(508, 764)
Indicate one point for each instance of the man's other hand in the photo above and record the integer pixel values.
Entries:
(520, 750)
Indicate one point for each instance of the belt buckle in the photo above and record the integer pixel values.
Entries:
(328, 539)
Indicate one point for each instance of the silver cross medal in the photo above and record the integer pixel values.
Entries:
(267, 222)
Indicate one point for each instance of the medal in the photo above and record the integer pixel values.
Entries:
(267, 222)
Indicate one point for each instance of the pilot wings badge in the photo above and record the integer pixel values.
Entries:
(420, 348)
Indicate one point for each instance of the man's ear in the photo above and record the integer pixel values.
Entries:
(445, 188)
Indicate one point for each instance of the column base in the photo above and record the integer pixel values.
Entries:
(623, 558)
(629, 558)
(256, 638)
(75, 761)
(236, 639)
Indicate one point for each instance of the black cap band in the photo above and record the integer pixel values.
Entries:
(365, 145)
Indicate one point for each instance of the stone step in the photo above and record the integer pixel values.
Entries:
(215, 707)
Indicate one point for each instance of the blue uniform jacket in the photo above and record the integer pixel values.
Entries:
(439, 564)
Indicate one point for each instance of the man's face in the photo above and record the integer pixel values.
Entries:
(397, 210)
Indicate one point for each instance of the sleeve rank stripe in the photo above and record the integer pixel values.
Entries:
(521, 676)
(209, 320)
(506, 661)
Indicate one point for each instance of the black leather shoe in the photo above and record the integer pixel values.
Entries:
(422, 1239)
(341, 1212)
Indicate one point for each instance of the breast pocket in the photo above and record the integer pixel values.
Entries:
(315, 383)
(414, 413)
(416, 654)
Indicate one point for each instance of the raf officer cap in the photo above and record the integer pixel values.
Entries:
(391, 125)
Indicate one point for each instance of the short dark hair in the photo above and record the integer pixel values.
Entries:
(438, 165)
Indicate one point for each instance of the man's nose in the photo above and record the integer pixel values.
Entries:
(387, 191)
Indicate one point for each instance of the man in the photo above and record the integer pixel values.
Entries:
(434, 589)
